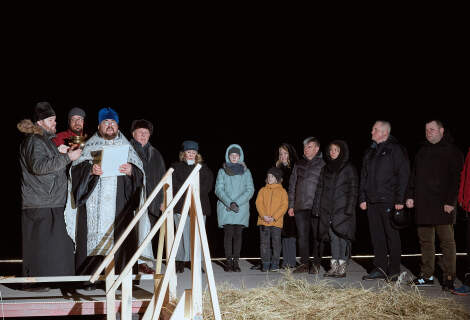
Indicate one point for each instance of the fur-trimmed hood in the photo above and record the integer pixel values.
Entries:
(26, 126)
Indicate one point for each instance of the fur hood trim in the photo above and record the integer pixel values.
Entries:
(28, 127)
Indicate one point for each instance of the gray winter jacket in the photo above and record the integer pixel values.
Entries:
(303, 182)
(43, 169)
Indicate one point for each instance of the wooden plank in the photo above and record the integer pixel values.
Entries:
(155, 228)
(131, 225)
(126, 298)
(196, 294)
(154, 312)
(47, 309)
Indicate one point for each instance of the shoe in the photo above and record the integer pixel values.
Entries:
(265, 267)
(179, 266)
(375, 274)
(274, 268)
(228, 267)
(423, 281)
(332, 272)
(341, 270)
(314, 268)
(36, 287)
(448, 285)
(236, 267)
(258, 266)
(393, 278)
(90, 287)
(464, 290)
(302, 268)
(144, 268)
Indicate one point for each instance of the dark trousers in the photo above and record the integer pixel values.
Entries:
(385, 239)
(307, 229)
(427, 239)
(467, 269)
(233, 240)
(47, 248)
(270, 236)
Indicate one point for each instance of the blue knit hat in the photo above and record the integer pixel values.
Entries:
(190, 145)
(108, 113)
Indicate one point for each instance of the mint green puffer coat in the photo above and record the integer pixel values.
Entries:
(233, 188)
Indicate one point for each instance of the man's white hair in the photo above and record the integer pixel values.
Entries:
(387, 127)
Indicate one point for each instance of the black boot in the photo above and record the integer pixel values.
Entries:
(228, 267)
(179, 266)
(236, 268)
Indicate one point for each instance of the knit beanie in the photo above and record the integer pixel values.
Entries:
(276, 172)
(76, 112)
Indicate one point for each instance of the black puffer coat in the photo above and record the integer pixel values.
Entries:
(43, 169)
(434, 182)
(303, 182)
(336, 196)
(385, 173)
(289, 229)
(154, 168)
(206, 182)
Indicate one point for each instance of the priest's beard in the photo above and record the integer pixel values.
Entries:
(109, 136)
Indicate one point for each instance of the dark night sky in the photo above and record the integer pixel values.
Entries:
(254, 96)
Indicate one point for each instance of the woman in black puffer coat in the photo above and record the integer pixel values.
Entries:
(287, 157)
(335, 204)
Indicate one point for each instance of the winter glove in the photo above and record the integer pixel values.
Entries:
(234, 207)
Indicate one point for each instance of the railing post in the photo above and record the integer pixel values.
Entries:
(170, 238)
(196, 294)
(126, 297)
(110, 294)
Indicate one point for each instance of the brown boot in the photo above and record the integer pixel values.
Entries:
(302, 268)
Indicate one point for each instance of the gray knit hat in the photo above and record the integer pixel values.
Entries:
(76, 112)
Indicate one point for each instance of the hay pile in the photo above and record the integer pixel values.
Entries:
(298, 299)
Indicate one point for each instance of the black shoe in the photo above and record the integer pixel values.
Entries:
(228, 266)
(448, 285)
(375, 274)
(423, 281)
(90, 287)
(36, 287)
(236, 267)
(179, 266)
(314, 268)
(258, 266)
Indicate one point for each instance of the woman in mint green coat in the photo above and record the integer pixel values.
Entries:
(234, 188)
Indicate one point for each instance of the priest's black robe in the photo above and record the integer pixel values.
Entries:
(127, 201)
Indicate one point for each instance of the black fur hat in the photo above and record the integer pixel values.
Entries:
(142, 123)
(42, 110)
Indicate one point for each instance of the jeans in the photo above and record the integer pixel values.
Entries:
(307, 228)
(270, 236)
(385, 239)
(340, 247)
(233, 240)
(445, 233)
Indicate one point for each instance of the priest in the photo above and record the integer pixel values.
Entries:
(101, 206)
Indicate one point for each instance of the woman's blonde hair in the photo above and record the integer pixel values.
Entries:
(278, 162)
(198, 157)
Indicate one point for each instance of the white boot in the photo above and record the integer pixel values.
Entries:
(341, 270)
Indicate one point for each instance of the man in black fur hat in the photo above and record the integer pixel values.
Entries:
(154, 168)
(47, 249)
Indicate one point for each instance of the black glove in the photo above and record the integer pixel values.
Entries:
(234, 207)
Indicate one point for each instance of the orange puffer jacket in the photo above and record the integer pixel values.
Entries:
(272, 201)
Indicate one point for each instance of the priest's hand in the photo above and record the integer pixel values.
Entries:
(126, 168)
(96, 170)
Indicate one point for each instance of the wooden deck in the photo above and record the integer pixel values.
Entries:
(59, 302)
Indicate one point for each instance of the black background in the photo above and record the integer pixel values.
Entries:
(257, 88)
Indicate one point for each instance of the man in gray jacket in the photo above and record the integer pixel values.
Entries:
(302, 186)
(47, 249)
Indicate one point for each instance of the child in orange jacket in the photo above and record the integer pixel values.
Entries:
(271, 203)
